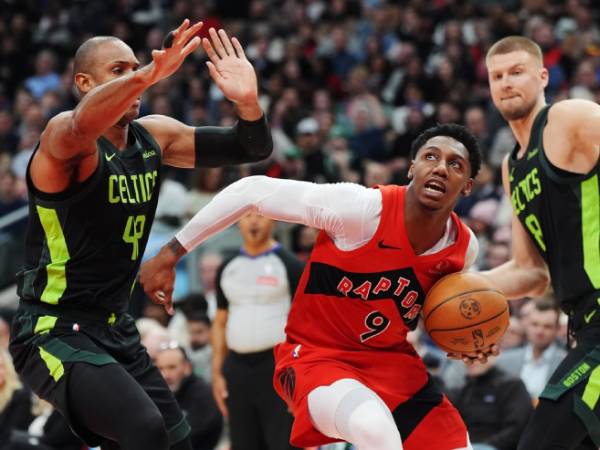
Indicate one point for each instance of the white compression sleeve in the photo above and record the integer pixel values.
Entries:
(348, 212)
(350, 411)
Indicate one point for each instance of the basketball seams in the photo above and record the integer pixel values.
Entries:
(473, 291)
(470, 325)
(455, 350)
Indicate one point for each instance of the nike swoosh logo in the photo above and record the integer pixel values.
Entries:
(588, 317)
(108, 158)
(382, 245)
(510, 176)
(532, 153)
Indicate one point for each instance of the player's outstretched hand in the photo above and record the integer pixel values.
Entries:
(229, 68)
(178, 44)
(480, 357)
(157, 277)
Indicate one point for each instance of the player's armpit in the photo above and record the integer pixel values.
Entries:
(175, 139)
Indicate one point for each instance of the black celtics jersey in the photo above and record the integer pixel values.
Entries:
(84, 245)
(561, 212)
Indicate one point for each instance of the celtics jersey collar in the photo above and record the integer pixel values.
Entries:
(532, 146)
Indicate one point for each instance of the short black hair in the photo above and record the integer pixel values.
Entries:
(456, 132)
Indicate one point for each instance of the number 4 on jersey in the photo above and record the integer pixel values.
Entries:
(134, 230)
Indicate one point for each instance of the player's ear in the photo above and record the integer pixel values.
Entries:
(467, 188)
(84, 82)
(410, 170)
(544, 76)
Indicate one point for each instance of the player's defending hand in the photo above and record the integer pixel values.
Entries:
(480, 357)
(177, 46)
(230, 69)
(157, 277)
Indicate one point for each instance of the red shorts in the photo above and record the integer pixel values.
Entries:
(395, 376)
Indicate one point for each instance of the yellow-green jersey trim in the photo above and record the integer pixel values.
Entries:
(590, 222)
(59, 255)
(44, 324)
(591, 394)
(54, 365)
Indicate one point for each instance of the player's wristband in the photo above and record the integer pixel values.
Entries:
(176, 247)
(243, 143)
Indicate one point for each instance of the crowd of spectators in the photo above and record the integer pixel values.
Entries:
(347, 85)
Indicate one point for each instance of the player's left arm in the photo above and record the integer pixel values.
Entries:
(188, 147)
(470, 258)
(249, 140)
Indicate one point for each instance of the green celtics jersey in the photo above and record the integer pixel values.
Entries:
(561, 212)
(84, 245)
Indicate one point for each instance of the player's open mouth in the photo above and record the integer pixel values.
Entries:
(435, 187)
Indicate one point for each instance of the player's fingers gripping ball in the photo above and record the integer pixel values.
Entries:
(464, 314)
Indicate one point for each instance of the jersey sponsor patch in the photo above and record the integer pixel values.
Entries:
(400, 285)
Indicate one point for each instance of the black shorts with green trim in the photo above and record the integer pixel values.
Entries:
(46, 343)
(578, 376)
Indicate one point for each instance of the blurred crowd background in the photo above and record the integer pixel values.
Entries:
(346, 85)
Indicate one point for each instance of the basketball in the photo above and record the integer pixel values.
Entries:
(463, 313)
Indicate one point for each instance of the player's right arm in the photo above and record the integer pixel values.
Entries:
(348, 212)
(219, 351)
(526, 273)
(71, 136)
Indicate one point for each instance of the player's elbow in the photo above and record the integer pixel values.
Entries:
(251, 190)
(541, 281)
(77, 126)
(65, 136)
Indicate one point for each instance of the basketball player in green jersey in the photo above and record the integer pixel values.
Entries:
(552, 179)
(93, 184)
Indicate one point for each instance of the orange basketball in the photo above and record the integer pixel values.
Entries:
(463, 313)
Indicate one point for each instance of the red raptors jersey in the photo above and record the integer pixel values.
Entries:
(369, 298)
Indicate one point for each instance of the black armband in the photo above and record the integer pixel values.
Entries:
(245, 142)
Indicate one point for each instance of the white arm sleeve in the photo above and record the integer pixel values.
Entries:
(348, 212)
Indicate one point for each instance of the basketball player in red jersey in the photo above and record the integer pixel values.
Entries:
(346, 369)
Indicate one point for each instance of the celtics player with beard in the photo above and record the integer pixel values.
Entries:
(93, 186)
(552, 179)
